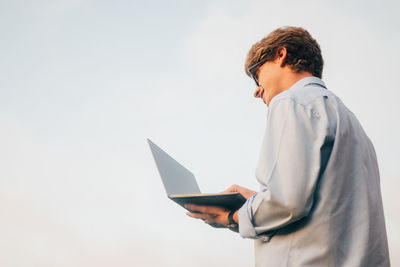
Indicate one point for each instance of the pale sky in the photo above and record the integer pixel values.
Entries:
(83, 83)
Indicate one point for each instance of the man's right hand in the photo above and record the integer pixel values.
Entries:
(239, 189)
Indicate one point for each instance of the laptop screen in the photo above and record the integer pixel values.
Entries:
(177, 179)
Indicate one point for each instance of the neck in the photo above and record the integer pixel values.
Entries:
(285, 82)
(292, 78)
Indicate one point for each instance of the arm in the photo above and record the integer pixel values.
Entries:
(289, 169)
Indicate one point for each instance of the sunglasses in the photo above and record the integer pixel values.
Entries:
(253, 75)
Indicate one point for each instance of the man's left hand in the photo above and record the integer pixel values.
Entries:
(209, 214)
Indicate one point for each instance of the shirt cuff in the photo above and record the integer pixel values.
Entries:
(245, 215)
(246, 221)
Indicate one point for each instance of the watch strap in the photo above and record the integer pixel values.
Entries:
(231, 222)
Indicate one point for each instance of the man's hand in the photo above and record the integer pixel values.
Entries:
(209, 214)
(239, 189)
(217, 215)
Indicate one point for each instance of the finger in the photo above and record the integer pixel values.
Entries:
(205, 217)
(197, 215)
(231, 189)
(212, 210)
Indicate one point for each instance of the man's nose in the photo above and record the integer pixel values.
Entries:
(258, 92)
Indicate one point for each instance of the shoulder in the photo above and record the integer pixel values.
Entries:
(307, 94)
(304, 91)
(308, 102)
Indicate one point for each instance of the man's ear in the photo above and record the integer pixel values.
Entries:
(282, 56)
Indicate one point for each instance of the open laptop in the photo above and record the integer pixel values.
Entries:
(181, 186)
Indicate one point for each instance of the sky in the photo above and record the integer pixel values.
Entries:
(83, 83)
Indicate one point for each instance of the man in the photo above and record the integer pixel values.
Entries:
(319, 202)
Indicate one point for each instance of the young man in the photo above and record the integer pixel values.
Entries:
(319, 202)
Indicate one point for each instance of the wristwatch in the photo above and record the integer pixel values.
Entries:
(231, 223)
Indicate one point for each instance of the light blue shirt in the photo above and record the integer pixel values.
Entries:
(319, 202)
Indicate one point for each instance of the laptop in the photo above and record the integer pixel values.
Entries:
(181, 185)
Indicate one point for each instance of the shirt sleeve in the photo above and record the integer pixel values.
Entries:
(291, 160)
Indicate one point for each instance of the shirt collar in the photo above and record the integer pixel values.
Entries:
(307, 81)
(299, 84)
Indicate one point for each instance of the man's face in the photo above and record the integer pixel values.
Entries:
(268, 78)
